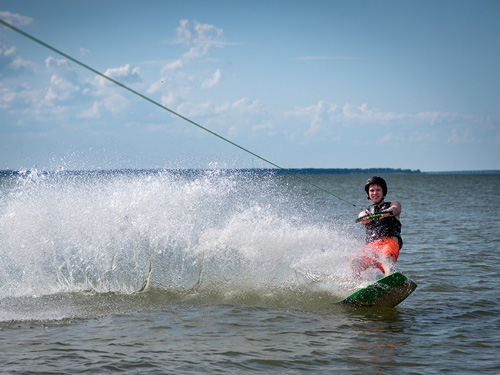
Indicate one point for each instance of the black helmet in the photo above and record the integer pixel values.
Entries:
(377, 181)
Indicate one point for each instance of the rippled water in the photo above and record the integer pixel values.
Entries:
(164, 272)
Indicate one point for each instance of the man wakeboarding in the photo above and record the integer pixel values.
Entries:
(383, 231)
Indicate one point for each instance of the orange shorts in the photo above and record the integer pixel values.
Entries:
(372, 253)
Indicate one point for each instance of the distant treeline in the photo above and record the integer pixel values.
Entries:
(329, 171)
(487, 171)
(255, 171)
(300, 171)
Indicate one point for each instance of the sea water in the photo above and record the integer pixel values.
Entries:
(218, 271)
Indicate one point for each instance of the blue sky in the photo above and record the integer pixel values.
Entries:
(324, 84)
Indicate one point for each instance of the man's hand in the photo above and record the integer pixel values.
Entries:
(369, 217)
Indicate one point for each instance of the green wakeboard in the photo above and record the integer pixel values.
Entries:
(389, 291)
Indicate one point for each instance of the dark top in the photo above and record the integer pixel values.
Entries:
(386, 227)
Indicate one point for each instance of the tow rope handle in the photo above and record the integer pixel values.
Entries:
(375, 216)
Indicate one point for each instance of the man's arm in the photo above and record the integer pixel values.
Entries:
(395, 208)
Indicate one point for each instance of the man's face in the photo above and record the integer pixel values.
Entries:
(375, 193)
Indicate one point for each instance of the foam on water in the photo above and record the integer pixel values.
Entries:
(210, 232)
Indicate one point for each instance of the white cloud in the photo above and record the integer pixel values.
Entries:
(6, 97)
(92, 112)
(228, 118)
(207, 33)
(20, 64)
(243, 105)
(183, 31)
(424, 136)
(364, 113)
(180, 76)
(169, 100)
(316, 117)
(199, 37)
(199, 34)
(52, 64)
(84, 51)
(110, 97)
(50, 102)
(387, 138)
(267, 128)
(192, 110)
(63, 82)
(173, 65)
(461, 136)
(330, 120)
(11, 64)
(10, 52)
(314, 109)
(435, 117)
(60, 89)
(211, 82)
(16, 19)
(123, 74)
(154, 88)
(222, 108)
(14, 64)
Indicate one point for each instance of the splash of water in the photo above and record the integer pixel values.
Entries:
(126, 231)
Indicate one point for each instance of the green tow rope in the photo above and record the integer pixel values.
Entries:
(48, 46)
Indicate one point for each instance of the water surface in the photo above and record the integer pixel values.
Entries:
(170, 272)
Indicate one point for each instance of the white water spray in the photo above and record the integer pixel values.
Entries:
(126, 232)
